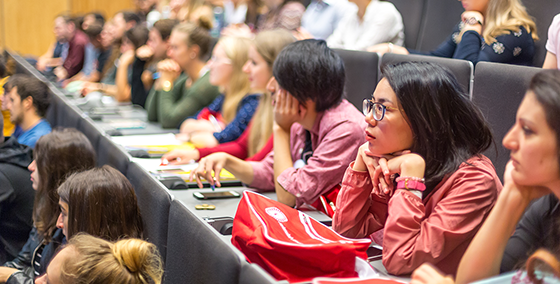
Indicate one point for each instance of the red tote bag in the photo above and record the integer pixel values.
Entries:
(291, 245)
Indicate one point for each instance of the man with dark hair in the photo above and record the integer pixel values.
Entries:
(16, 196)
(316, 132)
(98, 52)
(77, 42)
(58, 51)
(27, 98)
(124, 21)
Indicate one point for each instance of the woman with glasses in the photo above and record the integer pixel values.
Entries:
(229, 114)
(183, 86)
(419, 186)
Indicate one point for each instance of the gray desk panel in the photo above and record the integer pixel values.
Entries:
(224, 207)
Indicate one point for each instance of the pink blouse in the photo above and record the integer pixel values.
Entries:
(437, 229)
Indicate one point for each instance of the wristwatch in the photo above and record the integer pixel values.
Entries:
(166, 86)
(473, 21)
(409, 184)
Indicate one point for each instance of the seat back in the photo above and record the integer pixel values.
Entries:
(195, 252)
(361, 74)
(440, 17)
(498, 91)
(411, 12)
(542, 11)
(108, 153)
(462, 69)
(154, 202)
(254, 274)
(88, 128)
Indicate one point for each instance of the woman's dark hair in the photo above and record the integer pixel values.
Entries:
(448, 128)
(546, 87)
(58, 154)
(102, 203)
(165, 26)
(309, 69)
(138, 35)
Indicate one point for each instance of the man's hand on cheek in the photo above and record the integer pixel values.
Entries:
(287, 110)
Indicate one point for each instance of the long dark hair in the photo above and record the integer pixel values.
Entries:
(448, 128)
(546, 87)
(57, 155)
(102, 203)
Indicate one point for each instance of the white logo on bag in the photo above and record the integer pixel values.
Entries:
(277, 214)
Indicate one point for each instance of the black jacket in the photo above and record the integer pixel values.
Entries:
(16, 198)
(34, 258)
(535, 230)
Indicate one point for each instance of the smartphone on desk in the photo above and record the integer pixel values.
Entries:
(216, 194)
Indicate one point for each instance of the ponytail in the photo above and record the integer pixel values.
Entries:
(97, 261)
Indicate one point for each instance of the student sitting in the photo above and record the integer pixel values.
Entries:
(77, 41)
(132, 40)
(27, 99)
(528, 204)
(552, 59)
(153, 52)
(423, 129)
(256, 141)
(57, 52)
(100, 202)
(490, 30)
(16, 196)
(183, 87)
(57, 154)
(88, 259)
(370, 22)
(229, 114)
(316, 131)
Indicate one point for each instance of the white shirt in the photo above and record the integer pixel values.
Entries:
(382, 22)
(322, 16)
(234, 15)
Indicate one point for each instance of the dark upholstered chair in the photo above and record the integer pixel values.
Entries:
(88, 128)
(195, 252)
(154, 202)
(108, 153)
(66, 116)
(254, 274)
(411, 12)
(361, 74)
(462, 69)
(498, 91)
(438, 21)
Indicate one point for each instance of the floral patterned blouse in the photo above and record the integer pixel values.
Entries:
(516, 47)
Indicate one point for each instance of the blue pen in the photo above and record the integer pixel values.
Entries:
(213, 187)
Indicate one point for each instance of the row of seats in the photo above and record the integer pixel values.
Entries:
(427, 23)
(192, 250)
(496, 88)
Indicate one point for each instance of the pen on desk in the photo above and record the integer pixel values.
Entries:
(214, 122)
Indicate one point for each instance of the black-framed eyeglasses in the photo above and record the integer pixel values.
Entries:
(378, 109)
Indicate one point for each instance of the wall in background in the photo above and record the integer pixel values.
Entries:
(26, 26)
